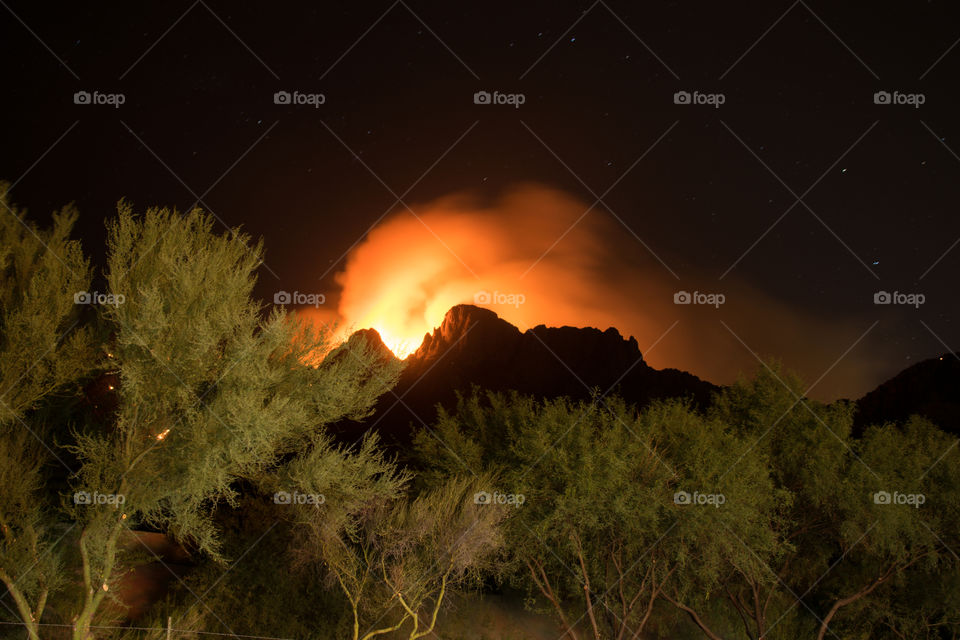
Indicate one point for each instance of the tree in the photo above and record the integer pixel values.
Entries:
(899, 521)
(339, 526)
(44, 350)
(210, 392)
(838, 553)
(622, 510)
(435, 543)
(807, 446)
(397, 558)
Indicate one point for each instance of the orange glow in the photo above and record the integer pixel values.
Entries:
(536, 255)
(518, 256)
(400, 346)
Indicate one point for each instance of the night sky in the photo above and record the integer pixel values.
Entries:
(711, 191)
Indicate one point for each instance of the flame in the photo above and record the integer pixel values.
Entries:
(399, 345)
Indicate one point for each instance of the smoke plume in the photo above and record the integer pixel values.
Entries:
(536, 255)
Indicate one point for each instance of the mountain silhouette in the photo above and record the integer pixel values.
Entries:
(930, 388)
(475, 347)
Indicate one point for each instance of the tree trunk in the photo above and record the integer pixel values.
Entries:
(825, 624)
(693, 616)
(547, 591)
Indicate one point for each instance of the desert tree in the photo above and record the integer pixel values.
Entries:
(807, 446)
(437, 542)
(44, 352)
(611, 524)
(211, 390)
(724, 495)
(397, 558)
(337, 524)
(898, 525)
(837, 554)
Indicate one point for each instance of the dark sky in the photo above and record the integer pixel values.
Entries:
(879, 182)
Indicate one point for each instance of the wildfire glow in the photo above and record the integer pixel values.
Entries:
(536, 255)
(399, 345)
(525, 256)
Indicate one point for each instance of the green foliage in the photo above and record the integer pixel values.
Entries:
(30, 566)
(836, 545)
(807, 446)
(44, 352)
(211, 393)
(263, 593)
(599, 535)
(397, 558)
(42, 348)
(899, 525)
(601, 541)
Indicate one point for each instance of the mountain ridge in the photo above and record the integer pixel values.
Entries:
(473, 346)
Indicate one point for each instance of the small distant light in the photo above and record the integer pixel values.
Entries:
(110, 386)
(105, 587)
(123, 516)
(161, 436)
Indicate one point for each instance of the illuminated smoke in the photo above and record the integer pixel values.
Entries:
(537, 256)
